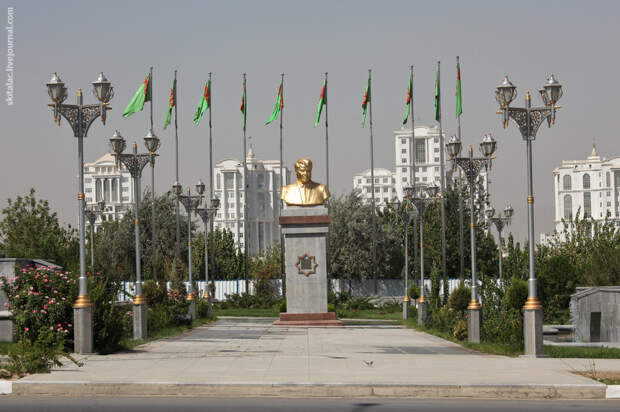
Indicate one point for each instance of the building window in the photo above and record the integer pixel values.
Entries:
(586, 181)
(405, 179)
(424, 179)
(404, 160)
(568, 207)
(566, 182)
(89, 180)
(261, 181)
(404, 170)
(359, 181)
(385, 180)
(385, 189)
(436, 150)
(229, 181)
(587, 204)
(368, 181)
(420, 152)
(88, 190)
(403, 141)
(403, 150)
(436, 168)
(436, 140)
(608, 179)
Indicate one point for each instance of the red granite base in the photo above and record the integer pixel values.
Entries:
(308, 319)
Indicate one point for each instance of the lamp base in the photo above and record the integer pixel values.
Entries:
(533, 332)
(422, 311)
(139, 321)
(83, 330)
(474, 322)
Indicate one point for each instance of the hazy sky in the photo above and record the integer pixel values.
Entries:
(528, 40)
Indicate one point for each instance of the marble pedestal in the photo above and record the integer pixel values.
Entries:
(305, 232)
(533, 332)
(422, 312)
(139, 321)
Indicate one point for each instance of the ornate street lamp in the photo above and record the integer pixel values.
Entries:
(420, 197)
(135, 163)
(206, 214)
(152, 144)
(406, 212)
(80, 117)
(453, 147)
(91, 216)
(472, 167)
(190, 202)
(528, 120)
(499, 223)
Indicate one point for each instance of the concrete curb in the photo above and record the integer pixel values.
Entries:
(561, 391)
(6, 387)
(613, 392)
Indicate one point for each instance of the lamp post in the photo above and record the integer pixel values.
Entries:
(499, 223)
(91, 215)
(405, 213)
(80, 117)
(528, 120)
(152, 144)
(190, 202)
(421, 196)
(472, 167)
(206, 214)
(135, 163)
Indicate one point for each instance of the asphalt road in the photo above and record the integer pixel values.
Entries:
(49, 404)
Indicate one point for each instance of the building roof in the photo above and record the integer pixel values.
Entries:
(420, 131)
(379, 172)
(107, 159)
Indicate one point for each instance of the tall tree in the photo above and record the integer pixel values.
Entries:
(29, 229)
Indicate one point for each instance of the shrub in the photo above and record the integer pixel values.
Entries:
(414, 291)
(459, 298)
(155, 293)
(460, 330)
(283, 306)
(516, 294)
(38, 356)
(331, 307)
(111, 322)
(204, 309)
(41, 300)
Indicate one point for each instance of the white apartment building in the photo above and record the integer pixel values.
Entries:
(385, 186)
(389, 185)
(591, 186)
(103, 180)
(263, 193)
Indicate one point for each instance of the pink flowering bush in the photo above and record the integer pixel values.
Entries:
(41, 299)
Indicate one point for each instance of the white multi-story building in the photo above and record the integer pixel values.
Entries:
(385, 186)
(103, 180)
(591, 186)
(263, 193)
(389, 185)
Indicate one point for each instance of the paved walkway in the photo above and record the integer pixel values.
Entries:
(249, 356)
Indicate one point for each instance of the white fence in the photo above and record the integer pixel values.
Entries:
(367, 287)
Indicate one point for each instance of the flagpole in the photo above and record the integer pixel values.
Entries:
(282, 263)
(176, 166)
(326, 135)
(442, 187)
(327, 250)
(372, 176)
(212, 257)
(245, 188)
(461, 217)
(153, 218)
(412, 153)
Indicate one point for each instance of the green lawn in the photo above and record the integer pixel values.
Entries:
(581, 352)
(257, 313)
(516, 350)
(369, 314)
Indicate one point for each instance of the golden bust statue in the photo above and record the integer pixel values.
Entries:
(304, 192)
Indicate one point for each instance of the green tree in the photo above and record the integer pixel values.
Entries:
(350, 244)
(29, 229)
(229, 261)
(115, 240)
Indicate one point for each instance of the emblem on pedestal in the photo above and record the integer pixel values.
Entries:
(306, 264)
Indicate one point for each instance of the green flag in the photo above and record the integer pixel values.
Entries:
(244, 106)
(322, 102)
(437, 98)
(278, 107)
(142, 95)
(366, 100)
(205, 103)
(409, 97)
(459, 98)
(171, 103)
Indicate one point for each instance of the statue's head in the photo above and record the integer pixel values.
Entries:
(303, 170)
